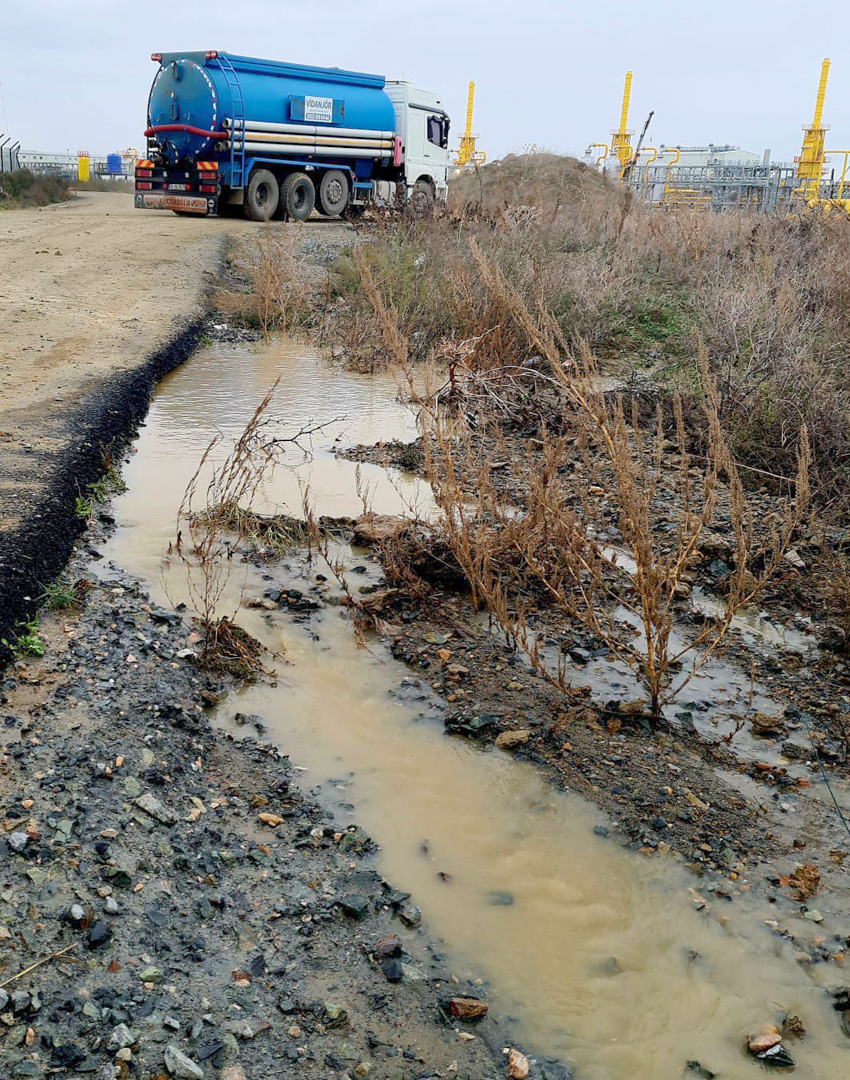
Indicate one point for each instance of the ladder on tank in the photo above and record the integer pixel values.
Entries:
(237, 131)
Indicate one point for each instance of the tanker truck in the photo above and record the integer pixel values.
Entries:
(234, 134)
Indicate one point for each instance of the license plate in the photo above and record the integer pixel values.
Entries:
(177, 187)
(160, 201)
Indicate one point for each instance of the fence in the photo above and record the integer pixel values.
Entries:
(9, 154)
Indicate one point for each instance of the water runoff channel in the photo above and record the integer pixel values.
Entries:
(602, 959)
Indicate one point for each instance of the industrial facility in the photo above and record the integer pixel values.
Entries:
(724, 177)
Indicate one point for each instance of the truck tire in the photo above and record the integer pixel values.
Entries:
(333, 192)
(262, 196)
(297, 197)
(422, 198)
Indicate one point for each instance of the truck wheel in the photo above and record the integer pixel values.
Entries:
(333, 192)
(422, 198)
(262, 196)
(298, 196)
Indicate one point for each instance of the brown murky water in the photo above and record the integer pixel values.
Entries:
(598, 953)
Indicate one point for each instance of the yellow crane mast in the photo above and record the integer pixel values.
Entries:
(466, 155)
(621, 138)
(810, 161)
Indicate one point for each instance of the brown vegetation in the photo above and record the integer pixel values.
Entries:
(23, 188)
(547, 553)
(769, 297)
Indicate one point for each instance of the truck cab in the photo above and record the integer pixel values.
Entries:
(422, 123)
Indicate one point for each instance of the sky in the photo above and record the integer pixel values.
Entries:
(75, 74)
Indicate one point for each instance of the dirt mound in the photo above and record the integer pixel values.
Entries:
(539, 180)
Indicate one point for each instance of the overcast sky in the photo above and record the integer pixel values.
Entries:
(75, 74)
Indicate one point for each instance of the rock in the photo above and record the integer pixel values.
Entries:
(376, 528)
(99, 933)
(151, 974)
(410, 915)
(387, 947)
(247, 1029)
(778, 1057)
(179, 1065)
(813, 915)
(392, 968)
(501, 899)
(517, 1065)
(763, 724)
(266, 603)
(110, 906)
(20, 1001)
(234, 1072)
(17, 841)
(508, 740)
(4, 1000)
(700, 1070)
(120, 1038)
(355, 905)
(793, 558)
(151, 805)
(767, 1038)
(76, 914)
(467, 1008)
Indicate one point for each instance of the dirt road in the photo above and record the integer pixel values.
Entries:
(97, 301)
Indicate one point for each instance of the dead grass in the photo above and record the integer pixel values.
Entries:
(216, 514)
(548, 553)
(769, 298)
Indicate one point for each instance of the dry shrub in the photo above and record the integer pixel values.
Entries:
(216, 513)
(280, 288)
(768, 296)
(551, 550)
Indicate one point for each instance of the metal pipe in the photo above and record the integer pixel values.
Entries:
(317, 151)
(305, 129)
(846, 154)
(314, 140)
(603, 155)
(189, 128)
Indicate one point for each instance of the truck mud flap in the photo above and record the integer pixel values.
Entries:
(162, 200)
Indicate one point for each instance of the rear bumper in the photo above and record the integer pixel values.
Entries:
(164, 200)
(192, 189)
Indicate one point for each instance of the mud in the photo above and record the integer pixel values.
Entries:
(458, 828)
(134, 847)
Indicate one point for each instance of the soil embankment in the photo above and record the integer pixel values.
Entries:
(97, 301)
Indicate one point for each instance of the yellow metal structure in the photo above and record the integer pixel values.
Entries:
(810, 161)
(621, 138)
(603, 146)
(83, 167)
(466, 155)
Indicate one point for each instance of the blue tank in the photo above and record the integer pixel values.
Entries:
(194, 93)
(114, 165)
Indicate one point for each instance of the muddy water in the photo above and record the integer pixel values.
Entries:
(599, 955)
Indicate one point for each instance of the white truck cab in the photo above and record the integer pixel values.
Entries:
(423, 126)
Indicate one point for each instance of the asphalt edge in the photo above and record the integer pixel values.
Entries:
(106, 421)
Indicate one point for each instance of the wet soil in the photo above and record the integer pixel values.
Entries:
(738, 779)
(99, 301)
(192, 899)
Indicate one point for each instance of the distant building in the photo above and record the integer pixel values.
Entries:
(711, 155)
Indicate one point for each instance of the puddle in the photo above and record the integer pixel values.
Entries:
(755, 625)
(600, 956)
